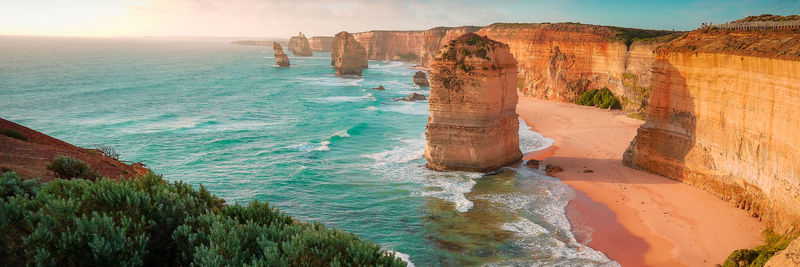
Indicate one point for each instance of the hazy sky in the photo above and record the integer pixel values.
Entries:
(268, 18)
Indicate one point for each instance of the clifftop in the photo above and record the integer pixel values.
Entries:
(626, 35)
(769, 17)
(772, 43)
(28, 155)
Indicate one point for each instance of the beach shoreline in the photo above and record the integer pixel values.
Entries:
(635, 218)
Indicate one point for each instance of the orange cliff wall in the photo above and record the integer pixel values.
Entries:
(420, 46)
(556, 61)
(561, 61)
(723, 116)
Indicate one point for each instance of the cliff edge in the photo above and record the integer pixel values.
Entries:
(28, 151)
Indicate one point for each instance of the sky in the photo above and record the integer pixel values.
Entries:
(283, 18)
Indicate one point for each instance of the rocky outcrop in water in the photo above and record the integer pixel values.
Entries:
(412, 97)
(320, 43)
(721, 117)
(473, 124)
(281, 59)
(347, 55)
(420, 79)
(299, 46)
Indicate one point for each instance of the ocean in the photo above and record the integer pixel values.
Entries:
(317, 146)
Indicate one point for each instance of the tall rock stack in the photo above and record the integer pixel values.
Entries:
(347, 55)
(299, 46)
(473, 124)
(281, 59)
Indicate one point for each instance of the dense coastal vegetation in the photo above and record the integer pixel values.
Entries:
(149, 221)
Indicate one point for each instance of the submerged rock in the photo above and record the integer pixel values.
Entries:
(281, 59)
(420, 79)
(299, 46)
(533, 164)
(412, 97)
(380, 87)
(473, 124)
(348, 56)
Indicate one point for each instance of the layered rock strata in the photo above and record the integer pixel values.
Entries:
(420, 79)
(281, 59)
(556, 61)
(320, 43)
(347, 55)
(721, 116)
(473, 124)
(299, 46)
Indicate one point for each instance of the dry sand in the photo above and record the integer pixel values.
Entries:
(638, 219)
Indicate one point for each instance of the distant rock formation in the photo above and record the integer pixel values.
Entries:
(347, 55)
(299, 46)
(412, 97)
(420, 79)
(280, 58)
(473, 124)
(321, 43)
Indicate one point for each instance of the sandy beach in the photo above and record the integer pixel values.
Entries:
(636, 218)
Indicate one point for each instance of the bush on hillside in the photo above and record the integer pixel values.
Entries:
(602, 98)
(13, 134)
(68, 167)
(759, 256)
(148, 221)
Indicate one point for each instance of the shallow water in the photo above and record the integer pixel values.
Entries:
(317, 146)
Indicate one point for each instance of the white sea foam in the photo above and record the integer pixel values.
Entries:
(343, 99)
(371, 108)
(530, 141)
(404, 107)
(342, 134)
(524, 227)
(402, 256)
(310, 146)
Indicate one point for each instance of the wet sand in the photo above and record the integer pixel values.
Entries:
(634, 217)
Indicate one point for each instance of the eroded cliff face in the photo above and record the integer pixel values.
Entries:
(299, 46)
(320, 43)
(726, 121)
(347, 55)
(556, 61)
(281, 59)
(561, 61)
(473, 124)
(419, 46)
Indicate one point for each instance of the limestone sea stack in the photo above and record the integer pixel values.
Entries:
(420, 79)
(299, 46)
(281, 59)
(473, 124)
(347, 55)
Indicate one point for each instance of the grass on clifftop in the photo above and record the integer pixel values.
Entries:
(769, 17)
(148, 221)
(759, 256)
(628, 35)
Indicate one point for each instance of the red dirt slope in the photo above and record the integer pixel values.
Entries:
(28, 158)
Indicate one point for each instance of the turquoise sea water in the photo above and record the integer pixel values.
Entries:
(317, 146)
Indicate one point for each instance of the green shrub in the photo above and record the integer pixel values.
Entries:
(602, 98)
(759, 256)
(12, 185)
(13, 134)
(69, 167)
(148, 221)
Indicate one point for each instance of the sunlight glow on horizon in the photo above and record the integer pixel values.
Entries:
(280, 18)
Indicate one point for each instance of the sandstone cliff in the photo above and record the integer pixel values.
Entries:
(419, 46)
(556, 61)
(28, 157)
(281, 59)
(347, 55)
(473, 124)
(561, 61)
(320, 43)
(722, 117)
(299, 46)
